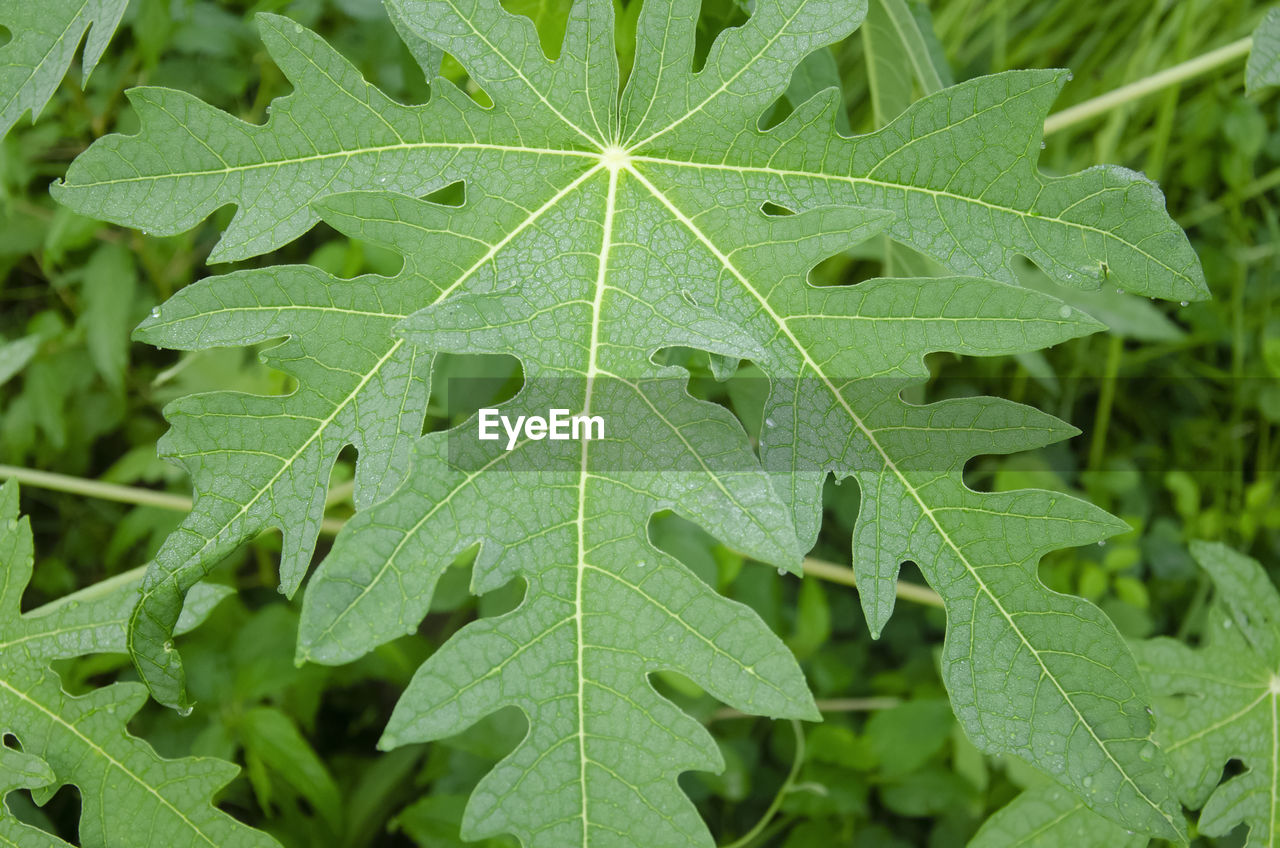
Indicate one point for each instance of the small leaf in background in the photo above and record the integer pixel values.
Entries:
(110, 284)
(271, 736)
(15, 355)
(906, 736)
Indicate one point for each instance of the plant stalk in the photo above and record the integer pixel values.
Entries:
(844, 575)
(330, 526)
(1178, 73)
(115, 492)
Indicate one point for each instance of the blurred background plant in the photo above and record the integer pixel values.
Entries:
(1179, 408)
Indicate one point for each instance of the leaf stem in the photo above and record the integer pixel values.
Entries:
(844, 575)
(750, 836)
(96, 488)
(1180, 72)
(330, 526)
(115, 492)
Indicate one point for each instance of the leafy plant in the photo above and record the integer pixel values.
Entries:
(628, 200)
(658, 153)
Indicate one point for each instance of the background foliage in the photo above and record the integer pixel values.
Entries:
(1179, 406)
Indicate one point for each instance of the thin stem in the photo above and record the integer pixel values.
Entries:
(750, 836)
(844, 575)
(115, 492)
(1261, 185)
(330, 526)
(93, 591)
(1096, 106)
(340, 493)
(96, 488)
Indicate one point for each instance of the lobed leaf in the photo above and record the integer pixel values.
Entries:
(83, 740)
(44, 40)
(597, 229)
(1219, 702)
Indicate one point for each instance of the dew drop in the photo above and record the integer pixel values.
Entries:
(1148, 752)
(1042, 145)
(781, 571)
(1101, 543)
(1064, 311)
(1070, 76)
(186, 711)
(641, 564)
(1185, 303)
(298, 29)
(155, 312)
(1088, 781)
(1226, 625)
(1119, 291)
(168, 647)
(382, 179)
(769, 422)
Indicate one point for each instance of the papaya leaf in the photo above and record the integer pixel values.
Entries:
(1219, 702)
(599, 227)
(44, 40)
(130, 796)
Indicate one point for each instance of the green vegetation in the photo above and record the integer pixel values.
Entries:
(1012, 632)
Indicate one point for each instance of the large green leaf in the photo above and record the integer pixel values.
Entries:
(130, 796)
(1221, 701)
(597, 229)
(44, 37)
